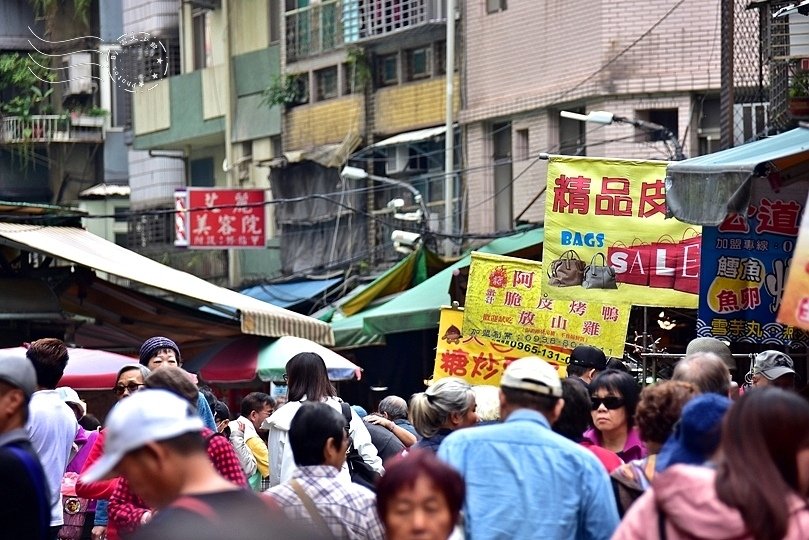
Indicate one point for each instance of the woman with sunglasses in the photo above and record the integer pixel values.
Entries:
(129, 380)
(615, 396)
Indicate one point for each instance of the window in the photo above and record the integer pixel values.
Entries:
(121, 214)
(326, 80)
(494, 6)
(203, 49)
(388, 69)
(122, 239)
(418, 63)
(275, 21)
(521, 145)
(665, 117)
(440, 58)
(202, 174)
(300, 86)
(572, 135)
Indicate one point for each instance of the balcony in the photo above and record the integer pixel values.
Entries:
(326, 26)
(51, 128)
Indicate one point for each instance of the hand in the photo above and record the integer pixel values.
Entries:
(380, 421)
(240, 427)
(99, 532)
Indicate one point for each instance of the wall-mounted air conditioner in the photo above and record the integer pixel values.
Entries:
(78, 76)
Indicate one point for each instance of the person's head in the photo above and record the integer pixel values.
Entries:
(659, 408)
(159, 351)
(704, 370)
(72, 400)
(360, 410)
(257, 407)
(713, 346)
(531, 383)
(221, 415)
(764, 457)
(772, 368)
(393, 408)
(448, 404)
(575, 416)
(586, 362)
(49, 357)
(18, 381)
(614, 396)
(151, 438)
(307, 376)
(129, 380)
(174, 379)
(419, 496)
(695, 437)
(318, 435)
(487, 402)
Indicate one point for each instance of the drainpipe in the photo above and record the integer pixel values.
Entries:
(230, 91)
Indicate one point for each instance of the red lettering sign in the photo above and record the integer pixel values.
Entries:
(220, 218)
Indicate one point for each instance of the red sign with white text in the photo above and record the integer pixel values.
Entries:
(226, 218)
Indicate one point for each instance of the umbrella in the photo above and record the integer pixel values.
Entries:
(244, 359)
(89, 369)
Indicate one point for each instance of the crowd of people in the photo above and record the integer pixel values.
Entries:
(590, 456)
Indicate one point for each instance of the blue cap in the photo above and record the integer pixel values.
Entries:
(697, 434)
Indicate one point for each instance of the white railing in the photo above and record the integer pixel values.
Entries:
(47, 128)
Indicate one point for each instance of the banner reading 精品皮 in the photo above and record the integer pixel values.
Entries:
(745, 262)
(475, 359)
(607, 239)
(504, 304)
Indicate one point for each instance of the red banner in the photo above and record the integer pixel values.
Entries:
(226, 218)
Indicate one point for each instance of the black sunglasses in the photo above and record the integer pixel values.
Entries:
(132, 387)
(610, 402)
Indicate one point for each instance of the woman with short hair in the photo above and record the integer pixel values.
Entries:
(614, 395)
(447, 405)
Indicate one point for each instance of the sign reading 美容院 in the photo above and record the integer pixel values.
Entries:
(607, 239)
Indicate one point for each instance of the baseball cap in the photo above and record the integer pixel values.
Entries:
(589, 357)
(697, 434)
(772, 364)
(18, 371)
(714, 346)
(69, 396)
(146, 416)
(532, 374)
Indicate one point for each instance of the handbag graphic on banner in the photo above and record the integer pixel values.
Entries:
(599, 276)
(567, 270)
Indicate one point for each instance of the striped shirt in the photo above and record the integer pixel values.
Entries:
(348, 509)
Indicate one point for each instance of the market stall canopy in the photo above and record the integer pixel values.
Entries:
(244, 359)
(704, 189)
(418, 308)
(289, 294)
(84, 248)
(89, 369)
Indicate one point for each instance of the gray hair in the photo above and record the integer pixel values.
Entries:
(704, 370)
(144, 371)
(394, 407)
(487, 400)
(429, 410)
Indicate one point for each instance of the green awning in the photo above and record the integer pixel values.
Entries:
(704, 189)
(419, 307)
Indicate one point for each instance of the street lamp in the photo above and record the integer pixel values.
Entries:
(604, 117)
(355, 173)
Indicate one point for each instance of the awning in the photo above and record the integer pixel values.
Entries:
(328, 155)
(249, 358)
(289, 294)
(28, 299)
(411, 136)
(86, 249)
(704, 189)
(418, 308)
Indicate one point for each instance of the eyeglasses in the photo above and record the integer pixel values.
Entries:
(131, 387)
(610, 402)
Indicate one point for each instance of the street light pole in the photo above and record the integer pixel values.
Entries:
(449, 135)
(604, 117)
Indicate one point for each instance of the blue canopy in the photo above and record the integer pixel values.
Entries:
(289, 294)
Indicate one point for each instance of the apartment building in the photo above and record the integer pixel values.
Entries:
(525, 62)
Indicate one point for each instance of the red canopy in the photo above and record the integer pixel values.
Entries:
(90, 369)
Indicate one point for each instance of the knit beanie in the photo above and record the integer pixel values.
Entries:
(153, 344)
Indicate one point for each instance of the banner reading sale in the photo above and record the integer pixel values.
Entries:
(504, 303)
(607, 238)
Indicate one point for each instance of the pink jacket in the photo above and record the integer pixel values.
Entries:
(687, 496)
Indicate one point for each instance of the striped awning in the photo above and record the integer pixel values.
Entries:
(86, 249)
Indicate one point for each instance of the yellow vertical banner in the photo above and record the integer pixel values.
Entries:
(472, 358)
(505, 304)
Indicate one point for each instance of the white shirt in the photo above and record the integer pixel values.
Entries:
(52, 429)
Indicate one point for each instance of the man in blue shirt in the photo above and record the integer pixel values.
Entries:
(522, 479)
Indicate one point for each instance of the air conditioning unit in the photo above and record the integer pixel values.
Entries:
(79, 73)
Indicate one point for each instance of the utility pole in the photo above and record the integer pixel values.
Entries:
(449, 136)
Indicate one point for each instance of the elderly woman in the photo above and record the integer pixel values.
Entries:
(308, 380)
(419, 497)
(447, 405)
(614, 396)
(130, 379)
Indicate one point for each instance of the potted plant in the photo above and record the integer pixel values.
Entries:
(92, 117)
(799, 95)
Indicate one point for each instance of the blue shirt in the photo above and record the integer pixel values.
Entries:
(525, 481)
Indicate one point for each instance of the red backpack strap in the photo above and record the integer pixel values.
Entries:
(195, 506)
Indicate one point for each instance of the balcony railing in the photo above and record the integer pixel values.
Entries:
(319, 28)
(51, 128)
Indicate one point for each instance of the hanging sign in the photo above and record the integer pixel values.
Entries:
(220, 218)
